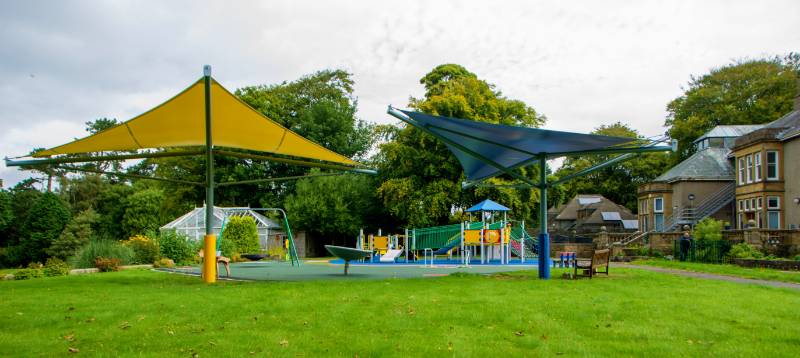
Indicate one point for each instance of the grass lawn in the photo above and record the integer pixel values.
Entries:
(631, 313)
(724, 269)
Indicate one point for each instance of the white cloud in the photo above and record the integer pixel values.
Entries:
(580, 63)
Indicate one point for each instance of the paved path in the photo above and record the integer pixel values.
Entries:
(711, 276)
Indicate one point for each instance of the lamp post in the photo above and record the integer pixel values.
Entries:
(691, 209)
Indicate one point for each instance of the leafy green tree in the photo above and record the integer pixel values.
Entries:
(744, 92)
(44, 223)
(6, 214)
(75, 235)
(420, 178)
(142, 212)
(335, 207)
(618, 182)
(708, 229)
(243, 232)
(111, 204)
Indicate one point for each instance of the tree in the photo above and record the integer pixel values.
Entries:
(336, 206)
(75, 235)
(44, 223)
(744, 92)
(420, 178)
(142, 212)
(111, 204)
(618, 182)
(6, 214)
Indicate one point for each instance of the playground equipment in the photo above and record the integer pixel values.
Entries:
(385, 248)
(347, 254)
(486, 241)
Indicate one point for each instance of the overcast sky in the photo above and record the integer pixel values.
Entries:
(581, 64)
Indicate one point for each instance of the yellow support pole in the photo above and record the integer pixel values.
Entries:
(210, 258)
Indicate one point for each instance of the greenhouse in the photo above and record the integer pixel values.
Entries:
(193, 224)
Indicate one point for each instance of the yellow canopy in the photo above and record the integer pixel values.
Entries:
(180, 122)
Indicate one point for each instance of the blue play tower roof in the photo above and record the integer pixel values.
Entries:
(487, 205)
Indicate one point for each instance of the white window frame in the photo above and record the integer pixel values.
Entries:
(655, 207)
(776, 165)
(741, 170)
(757, 165)
(746, 204)
(741, 205)
(749, 172)
(753, 204)
(777, 200)
(760, 203)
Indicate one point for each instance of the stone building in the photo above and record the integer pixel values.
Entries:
(768, 174)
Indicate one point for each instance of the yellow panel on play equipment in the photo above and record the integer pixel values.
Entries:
(380, 242)
(491, 237)
(472, 236)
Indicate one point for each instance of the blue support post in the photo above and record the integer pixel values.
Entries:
(544, 237)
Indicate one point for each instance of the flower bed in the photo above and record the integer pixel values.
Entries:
(773, 264)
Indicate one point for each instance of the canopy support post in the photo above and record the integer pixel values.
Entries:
(210, 240)
(544, 237)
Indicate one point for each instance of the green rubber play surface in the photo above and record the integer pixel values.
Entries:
(323, 270)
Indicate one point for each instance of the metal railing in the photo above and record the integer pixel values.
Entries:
(707, 251)
(705, 208)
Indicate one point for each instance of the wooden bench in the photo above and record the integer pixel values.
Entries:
(599, 259)
(226, 262)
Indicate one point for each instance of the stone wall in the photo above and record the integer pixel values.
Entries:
(580, 249)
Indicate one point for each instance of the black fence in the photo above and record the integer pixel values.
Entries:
(708, 251)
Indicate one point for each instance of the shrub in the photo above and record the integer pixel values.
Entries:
(45, 221)
(75, 235)
(164, 262)
(176, 246)
(85, 258)
(28, 273)
(744, 251)
(708, 229)
(243, 232)
(228, 248)
(107, 264)
(797, 257)
(145, 249)
(55, 267)
(276, 252)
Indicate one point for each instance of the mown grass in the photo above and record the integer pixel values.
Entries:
(726, 269)
(631, 313)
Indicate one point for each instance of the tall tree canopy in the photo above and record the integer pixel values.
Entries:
(618, 182)
(744, 92)
(335, 207)
(421, 179)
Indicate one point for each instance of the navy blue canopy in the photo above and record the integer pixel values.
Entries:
(487, 205)
(508, 146)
